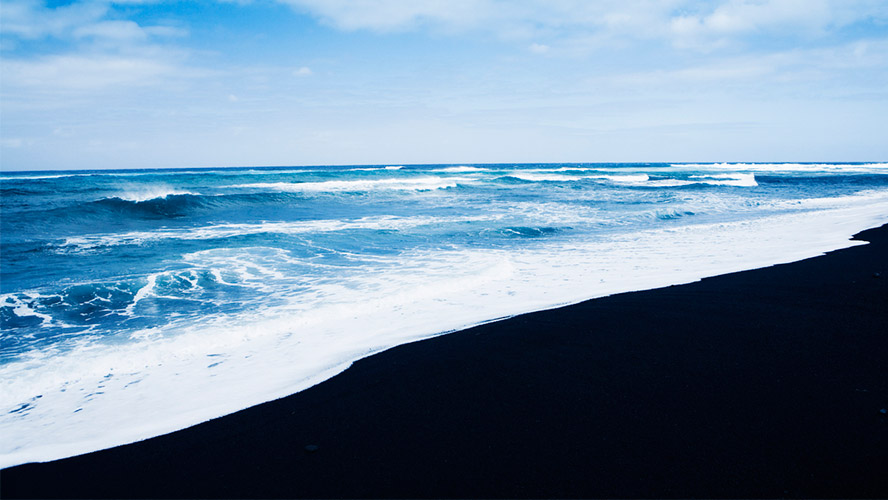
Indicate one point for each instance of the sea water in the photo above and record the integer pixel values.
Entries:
(135, 303)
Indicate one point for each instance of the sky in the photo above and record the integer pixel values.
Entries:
(145, 84)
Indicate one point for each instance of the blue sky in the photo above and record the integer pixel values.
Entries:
(142, 84)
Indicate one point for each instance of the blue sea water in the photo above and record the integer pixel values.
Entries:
(137, 302)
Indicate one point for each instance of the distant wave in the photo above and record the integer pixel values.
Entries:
(535, 177)
(33, 177)
(644, 180)
(792, 167)
(626, 179)
(461, 169)
(170, 205)
(161, 172)
(417, 184)
(93, 174)
(373, 168)
(742, 180)
(733, 179)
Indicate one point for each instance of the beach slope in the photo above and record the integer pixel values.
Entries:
(764, 383)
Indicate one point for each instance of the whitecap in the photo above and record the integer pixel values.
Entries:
(145, 193)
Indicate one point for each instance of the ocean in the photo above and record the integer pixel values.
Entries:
(138, 302)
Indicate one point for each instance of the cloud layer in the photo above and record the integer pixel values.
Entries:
(104, 83)
(684, 23)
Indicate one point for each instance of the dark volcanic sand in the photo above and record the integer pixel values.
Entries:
(763, 383)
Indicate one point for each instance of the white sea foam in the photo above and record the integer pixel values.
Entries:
(101, 395)
(543, 177)
(23, 308)
(143, 292)
(623, 179)
(461, 169)
(733, 179)
(541, 174)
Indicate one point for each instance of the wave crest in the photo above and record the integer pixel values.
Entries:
(146, 193)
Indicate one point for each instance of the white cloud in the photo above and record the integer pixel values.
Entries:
(508, 19)
(165, 31)
(730, 71)
(13, 142)
(686, 23)
(109, 70)
(738, 18)
(79, 72)
(29, 19)
(396, 15)
(116, 30)
(99, 51)
(831, 72)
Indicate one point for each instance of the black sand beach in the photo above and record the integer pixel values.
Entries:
(766, 383)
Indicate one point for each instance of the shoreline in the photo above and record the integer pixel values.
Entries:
(760, 383)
